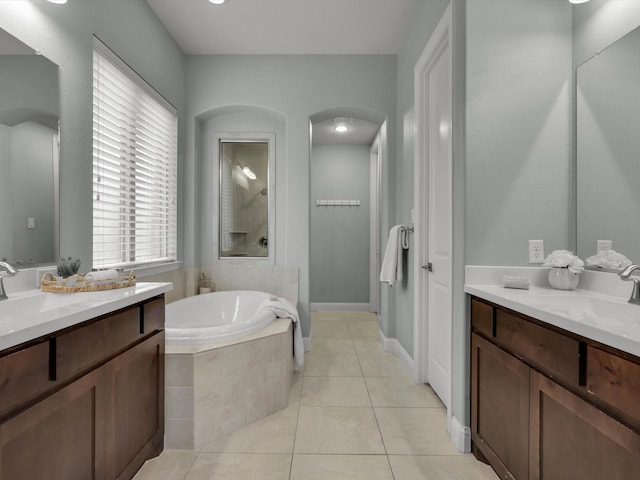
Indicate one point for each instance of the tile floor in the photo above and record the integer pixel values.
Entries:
(354, 414)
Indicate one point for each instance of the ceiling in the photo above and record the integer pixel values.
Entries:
(297, 27)
(293, 27)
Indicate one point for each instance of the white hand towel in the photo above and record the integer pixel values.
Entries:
(281, 308)
(391, 271)
(102, 276)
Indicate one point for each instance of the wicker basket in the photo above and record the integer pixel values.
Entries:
(77, 283)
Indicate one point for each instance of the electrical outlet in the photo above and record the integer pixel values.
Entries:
(604, 245)
(536, 251)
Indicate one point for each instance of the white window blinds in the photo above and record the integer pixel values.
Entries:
(134, 167)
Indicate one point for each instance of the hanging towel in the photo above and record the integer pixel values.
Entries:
(391, 271)
(281, 308)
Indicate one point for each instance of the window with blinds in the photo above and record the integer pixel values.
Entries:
(134, 167)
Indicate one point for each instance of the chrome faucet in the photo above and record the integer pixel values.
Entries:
(626, 275)
(11, 271)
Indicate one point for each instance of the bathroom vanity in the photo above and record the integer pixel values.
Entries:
(85, 401)
(547, 402)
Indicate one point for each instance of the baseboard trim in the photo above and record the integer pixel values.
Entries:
(306, 341)
(392, 345)
(339, 307)
(460, 435)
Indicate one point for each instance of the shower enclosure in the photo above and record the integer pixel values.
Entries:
(244, 198)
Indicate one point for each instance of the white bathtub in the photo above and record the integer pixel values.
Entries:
(215, 317)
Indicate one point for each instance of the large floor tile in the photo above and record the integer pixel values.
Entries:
(415, 431)
(440, 468)
(335, 391)
(338, 430)
(364, 327)
(330, 328)
(332, 365)
(233, 466)
(170, 465)
(381, 365)
(332, 345)
(340, 467)
(400, 392)
(368, 345)
(296, 389)
(272, 434)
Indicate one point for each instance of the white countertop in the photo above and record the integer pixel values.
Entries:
(31, 314)
(618, 327)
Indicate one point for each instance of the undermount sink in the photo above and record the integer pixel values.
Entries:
(37, 302)
(582, 307)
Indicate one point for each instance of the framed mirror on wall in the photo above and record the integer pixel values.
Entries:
(29, 155)
(608, 149)
(246, 193)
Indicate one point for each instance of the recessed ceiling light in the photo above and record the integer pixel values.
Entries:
(576, 2)
(57, 1)
(217, 2)
(342, 124)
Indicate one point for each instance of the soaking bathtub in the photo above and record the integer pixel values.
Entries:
(215, 317)
(227, 364)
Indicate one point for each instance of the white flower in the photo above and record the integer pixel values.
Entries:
(564, 259)
(609, 259)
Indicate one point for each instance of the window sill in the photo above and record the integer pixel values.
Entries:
(148, 270)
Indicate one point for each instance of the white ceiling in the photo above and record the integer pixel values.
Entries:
(365, 27)
(293, 27)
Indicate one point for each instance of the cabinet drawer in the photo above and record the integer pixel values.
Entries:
(482, 318)
(23, 375)
(548, 351)
(614, 380)
(153, 316)
(79, 349)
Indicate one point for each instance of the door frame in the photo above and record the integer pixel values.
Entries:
(376, 153)
(440, 39)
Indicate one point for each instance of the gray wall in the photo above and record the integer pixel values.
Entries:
(64, 35)
(340, 235)
(599, 23)
(424, 23)
(518, 146)
(296, 87)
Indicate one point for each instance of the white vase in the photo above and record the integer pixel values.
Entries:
(563, 278)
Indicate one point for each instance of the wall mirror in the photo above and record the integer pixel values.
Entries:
(608, 149)
(29, 111)
(245, 220)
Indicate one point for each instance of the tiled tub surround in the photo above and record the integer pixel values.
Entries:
(212, 390)
(233, 275)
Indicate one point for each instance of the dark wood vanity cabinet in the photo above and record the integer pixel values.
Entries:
(96, 409)
(548, 404)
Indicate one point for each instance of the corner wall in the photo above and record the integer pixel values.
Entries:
(296, 86)
(63, 33)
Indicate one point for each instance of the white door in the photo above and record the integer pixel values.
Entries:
(433, 203)
(439, 221)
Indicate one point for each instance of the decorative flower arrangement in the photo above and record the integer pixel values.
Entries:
(608, 259)
(564, 259)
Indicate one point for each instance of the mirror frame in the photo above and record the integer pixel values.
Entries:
(248, 137)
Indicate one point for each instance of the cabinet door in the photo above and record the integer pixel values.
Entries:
(61, 437)
(572, 439)
(500, 408)
(138, 406)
